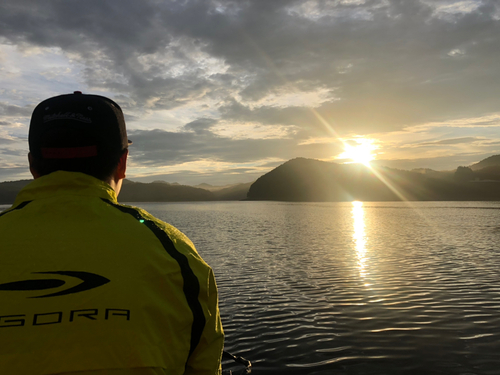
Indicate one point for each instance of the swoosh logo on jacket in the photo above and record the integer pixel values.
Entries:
(89, 281)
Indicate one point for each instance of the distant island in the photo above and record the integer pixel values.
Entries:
(310, 180)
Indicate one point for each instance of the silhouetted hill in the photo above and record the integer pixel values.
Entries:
(9, 190)
(161, 192)
(486, 170)
(303, 179)
(488, 162)
(432, 173)
(157, 191)
(236, 192)
(207, 187)
(488, 173)
(313, 180)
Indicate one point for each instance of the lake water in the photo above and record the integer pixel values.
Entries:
(343, 288)
(351, 288)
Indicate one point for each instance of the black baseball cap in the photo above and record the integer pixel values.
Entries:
(77, 126)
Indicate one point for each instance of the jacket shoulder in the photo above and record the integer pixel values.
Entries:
(160, 228)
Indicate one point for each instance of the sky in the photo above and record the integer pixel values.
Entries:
(223, 91)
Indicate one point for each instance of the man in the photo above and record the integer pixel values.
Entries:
(90, 286)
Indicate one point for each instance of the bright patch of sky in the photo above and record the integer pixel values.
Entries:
(159, 119)
(232, 8)
(13, 152)
(473, 137)
(456, 52)
(251, 130)
(350, 9)
(288, 97)
(173, 119)
(23, 70)
(190, 173)
(319, 140)
(344, 68)
(182, 57)
(358, 150)
(492, 120)
(449, 9)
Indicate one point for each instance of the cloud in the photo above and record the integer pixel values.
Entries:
(201, 73)
(442, 163)
(472, 122)
(454, 141)
(200, 126)
(217, 178)
(175, 52)
(15, 174)
(10, 110)
(451, 10)
(161, 148)
(11, 151)
(211, 157)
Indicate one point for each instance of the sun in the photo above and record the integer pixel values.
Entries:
(358, 150)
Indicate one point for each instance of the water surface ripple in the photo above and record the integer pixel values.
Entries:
(350, 288)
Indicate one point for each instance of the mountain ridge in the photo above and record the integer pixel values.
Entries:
(493, 160)
(302, 179)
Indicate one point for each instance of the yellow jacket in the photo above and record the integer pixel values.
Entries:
(90, 285)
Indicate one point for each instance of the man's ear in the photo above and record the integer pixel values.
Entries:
(34, 173)
(122, 166)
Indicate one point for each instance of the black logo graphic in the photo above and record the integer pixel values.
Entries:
(89, 281)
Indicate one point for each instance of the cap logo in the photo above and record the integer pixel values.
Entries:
(67, 116)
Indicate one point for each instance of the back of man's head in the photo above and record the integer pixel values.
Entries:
(77, 133)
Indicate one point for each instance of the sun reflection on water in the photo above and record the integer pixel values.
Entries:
(359, 237)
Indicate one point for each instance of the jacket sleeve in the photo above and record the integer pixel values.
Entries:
(206, 358)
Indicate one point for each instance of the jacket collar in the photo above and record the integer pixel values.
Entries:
(68, 183)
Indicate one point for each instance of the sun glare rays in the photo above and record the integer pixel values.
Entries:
(359, 150)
